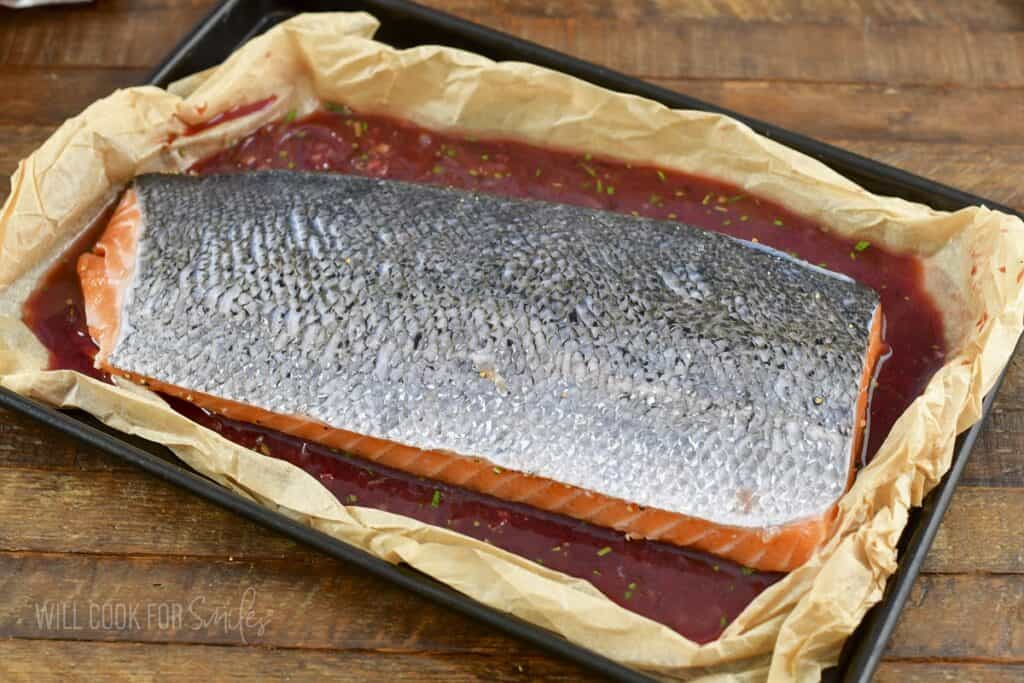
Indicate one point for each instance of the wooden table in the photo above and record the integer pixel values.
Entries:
(932, 86)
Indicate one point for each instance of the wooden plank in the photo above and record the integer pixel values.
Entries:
(998, 459)
(869, 54)
(29, 92)
(671, 48)
(84, 36)
(25, 443)
(948, 672)
(750, 50)
(966, 15)
(971, 16)
(269, 603)
(127, 513)
(999, 456)
(980, 533)
(962, 616)
(31, 661)
(865, 111)
(320, 606)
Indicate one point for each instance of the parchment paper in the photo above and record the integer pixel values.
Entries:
(974, 260)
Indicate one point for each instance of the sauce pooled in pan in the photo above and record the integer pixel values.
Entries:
(693, 593)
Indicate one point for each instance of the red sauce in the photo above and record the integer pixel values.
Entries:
(691, 592)
(55, 311)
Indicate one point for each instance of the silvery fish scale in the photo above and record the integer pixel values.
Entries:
(645, 360)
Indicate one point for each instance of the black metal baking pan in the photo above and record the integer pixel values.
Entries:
(405, 24)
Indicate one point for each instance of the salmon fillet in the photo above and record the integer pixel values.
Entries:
(202, 253)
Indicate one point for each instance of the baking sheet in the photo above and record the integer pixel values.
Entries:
(456, 90)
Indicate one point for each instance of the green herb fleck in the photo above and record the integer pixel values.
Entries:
(536, 174)
(603, 551)
(777, 222)
(631, 586)
(600, 187)
(589, 170)
(436, 500)
(744, 218)
(351, 498)
(661, 175)
(609, 189)
(291, 116)
(587, 157)
(627, 595)
(497, 470)
(861, 246)
(707, 198)
(736, 198)
(337, 108)
(722, 621)
(556, 549)
(746, 571)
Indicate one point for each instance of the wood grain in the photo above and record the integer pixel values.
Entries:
(74, 512)
(25, 660)
(292, 602)
(857, 111)
(94, 37)
(26, 87)
(947, 672)
(971, 15)
(960, 548)
(666, 45)
(932, 86)
(963, 616)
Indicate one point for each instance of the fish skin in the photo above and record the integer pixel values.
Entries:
(646, 361)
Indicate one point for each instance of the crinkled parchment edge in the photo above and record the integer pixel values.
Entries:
(974, 260)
